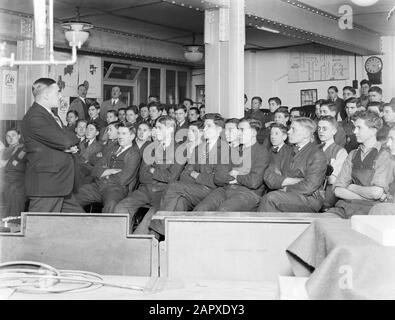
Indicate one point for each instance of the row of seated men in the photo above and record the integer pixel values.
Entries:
(291, 175)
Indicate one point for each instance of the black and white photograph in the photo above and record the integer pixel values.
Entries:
(195, 156)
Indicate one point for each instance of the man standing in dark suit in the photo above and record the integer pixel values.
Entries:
(79, 103)
(49, 175)
(112, 104)
(338, 102)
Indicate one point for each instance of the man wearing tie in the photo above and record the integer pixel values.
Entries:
(298, 180)
(79, 103)
(113, 173)
(49, 175)
(114, 103)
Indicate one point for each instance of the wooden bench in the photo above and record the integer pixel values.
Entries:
(92, 242)
(229, 246)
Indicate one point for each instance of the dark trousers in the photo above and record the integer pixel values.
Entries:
(13, 195)
(280, 201)
(179, 197)
(231, 198)
(137, 199)
(108, 194)
(183, 196)
(68, 204)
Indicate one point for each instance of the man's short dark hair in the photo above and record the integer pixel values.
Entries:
(114, 112)
(181, 107)
(187, 99)
(333, 88)
(144, 124)
(357, 101)
(166, 119)
(376, 104)
(75, 112)
(372, 119)
(331, 106)
(133, 108)
(232, 120)
(320, 102)
(94, 124)
(280, 126)
(81, 120)
(115, 123)
(156, 105)
(81, 85)
(257, 98)
(364, 81)
(216, 117)
(95, 104)
(121, 109)
(277, 100)
(40, 84)
(254, 123)
(299, 109)
(392, 105)
(196, 109)
(143, 105)
(330, 119)
(376, 89)
(131, 128)
(202, 106)
(351, 89)
(283, 110)
(198, 123)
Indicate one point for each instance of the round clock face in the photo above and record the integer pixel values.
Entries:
(373, 65)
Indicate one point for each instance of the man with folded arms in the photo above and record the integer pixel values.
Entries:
(298, 180)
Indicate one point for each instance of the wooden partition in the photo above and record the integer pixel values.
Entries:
(228, 246)
(91, 242)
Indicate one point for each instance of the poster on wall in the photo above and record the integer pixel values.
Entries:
(65, 76)
(314, 64)
(90, 74)
(9, 86)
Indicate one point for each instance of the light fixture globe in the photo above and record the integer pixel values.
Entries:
(193, 53)
(75, 32)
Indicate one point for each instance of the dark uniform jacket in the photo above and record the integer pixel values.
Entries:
(308, 163)
(49, 170)
(167, 169)
(255, 159)
(205, 163)
(129, 161)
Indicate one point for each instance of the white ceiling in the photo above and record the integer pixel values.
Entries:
(162, 20)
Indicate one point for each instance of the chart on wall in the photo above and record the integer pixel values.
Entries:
(317, 64)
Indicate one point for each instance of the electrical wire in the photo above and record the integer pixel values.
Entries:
(36, 277)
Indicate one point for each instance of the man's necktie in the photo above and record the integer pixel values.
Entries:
(275, 149)
(113, 103)
(295, 149)
(120, 150)
(86, 144)
(57, 120)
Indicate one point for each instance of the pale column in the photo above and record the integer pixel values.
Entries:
(224, 37)
(236, 59)
(388, 76)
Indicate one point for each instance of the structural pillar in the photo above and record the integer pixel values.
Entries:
(224, 38)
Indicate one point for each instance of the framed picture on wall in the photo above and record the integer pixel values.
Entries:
(308, 97)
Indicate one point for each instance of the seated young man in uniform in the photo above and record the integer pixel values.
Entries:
(279, 150)
(94, 116)
(143, 113)
(182, 125)
(114, 173)
(122, 115)
(352, 105)
(110, 137)
(197, 179)
(295, 112)
(366, 174)
(335, 155)
(274, 104)
(195, 134)
(242, 179)
(387, 207)
(159, 168)
(330, 109)
(131, 116)
(80, 129)
(71, 118)
(12, 173)
(88, 155)
(155, 111)
(298, 179)
(143, 138)
(112, 116)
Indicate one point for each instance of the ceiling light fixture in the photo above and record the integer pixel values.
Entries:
(193, 52)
